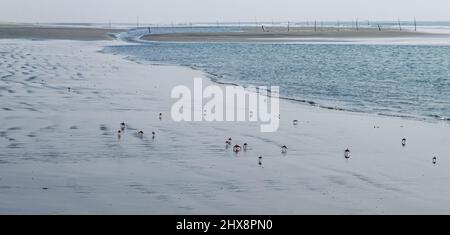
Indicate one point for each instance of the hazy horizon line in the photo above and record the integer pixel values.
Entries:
(225, 21)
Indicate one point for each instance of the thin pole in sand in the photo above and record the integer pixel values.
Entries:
(379, 27)
(415, 24)
(357, 26)
(399, 25)
(289, 24)
(315, 25)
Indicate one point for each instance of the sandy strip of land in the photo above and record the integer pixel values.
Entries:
(279, 34)
(10, 31)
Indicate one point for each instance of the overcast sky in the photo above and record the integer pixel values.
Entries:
(165, 11)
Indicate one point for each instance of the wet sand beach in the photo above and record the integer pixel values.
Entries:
(11, 31)
(60, 151)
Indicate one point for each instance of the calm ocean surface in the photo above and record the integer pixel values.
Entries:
(404, 80)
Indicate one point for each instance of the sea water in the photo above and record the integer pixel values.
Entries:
(400, 80)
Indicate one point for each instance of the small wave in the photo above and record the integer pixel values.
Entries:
(401, 116)
(439, 117)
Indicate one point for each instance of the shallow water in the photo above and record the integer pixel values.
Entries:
(403, 80)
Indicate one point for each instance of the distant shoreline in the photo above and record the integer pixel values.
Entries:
(274, 34)
(247, 34)
(13, 31)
